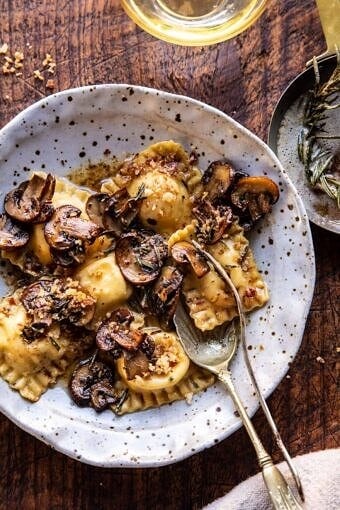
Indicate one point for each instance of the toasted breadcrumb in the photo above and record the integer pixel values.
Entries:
(13, 63)
(37, 74)
(3, 49)
(165, 360)
(50, 84)
(51, 67)
(49, 64)
(18, 56)
(48, 58)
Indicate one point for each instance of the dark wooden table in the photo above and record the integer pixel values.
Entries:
(93, 41)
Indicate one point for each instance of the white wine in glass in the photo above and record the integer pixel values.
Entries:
(194, 22)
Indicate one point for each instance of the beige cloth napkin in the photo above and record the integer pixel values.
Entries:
(320, 476)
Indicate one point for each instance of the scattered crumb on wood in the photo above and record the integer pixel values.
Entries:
(48, 58)
(12, 63)
(37, 74)
(319, 359)
(3, 49)
(18, 56)
(50, 84)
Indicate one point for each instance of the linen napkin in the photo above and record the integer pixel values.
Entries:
(320, 477)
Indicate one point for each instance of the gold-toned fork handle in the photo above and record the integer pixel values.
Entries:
(279, 492)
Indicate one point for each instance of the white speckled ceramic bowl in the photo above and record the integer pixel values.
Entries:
(74, 127)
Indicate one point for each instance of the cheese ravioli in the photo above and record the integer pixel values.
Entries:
(102, 278)
(31, 368)
(210, 301)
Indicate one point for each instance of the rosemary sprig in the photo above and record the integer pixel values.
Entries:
(318, 162)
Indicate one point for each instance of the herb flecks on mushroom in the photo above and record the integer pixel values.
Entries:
(217, 180)
(114, 333)
(68, 235)
(12, 234)
(184, 253)
(164, 295)
(49, 300)
(92, 383)
(255, 196)
(213, 220)
(119, 339)
(140, 256)
(116, 336)
(116, 212)
(31, 201)
(124, 207)
(96, 208)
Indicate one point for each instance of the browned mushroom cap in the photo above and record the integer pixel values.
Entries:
(217, 180)
(104, 394)
(79, 308)
(164, 295)
(137, 364)
(31, 200)
(38, 302)
(110, 335)
(96, 206)
(66, 228)
(114, 212)
(56, 299)
(12, 235)
(68, 234)
(68, 258)
(184, 252)
(38, 297)
(114, 332)
(256, 194)
(121, 205)
(86, 375)
(213, 221)
(140, 256)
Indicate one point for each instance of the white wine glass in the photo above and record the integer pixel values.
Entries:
(194, 22)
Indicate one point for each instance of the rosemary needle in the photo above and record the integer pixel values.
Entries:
(318, 162)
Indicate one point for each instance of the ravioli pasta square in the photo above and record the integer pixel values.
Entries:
(31, 368)
(209, 300)
(196, 380)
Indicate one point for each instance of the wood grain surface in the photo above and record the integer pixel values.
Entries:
(93, 41)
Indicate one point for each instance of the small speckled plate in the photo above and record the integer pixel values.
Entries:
(284, 131)
(75, 127)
